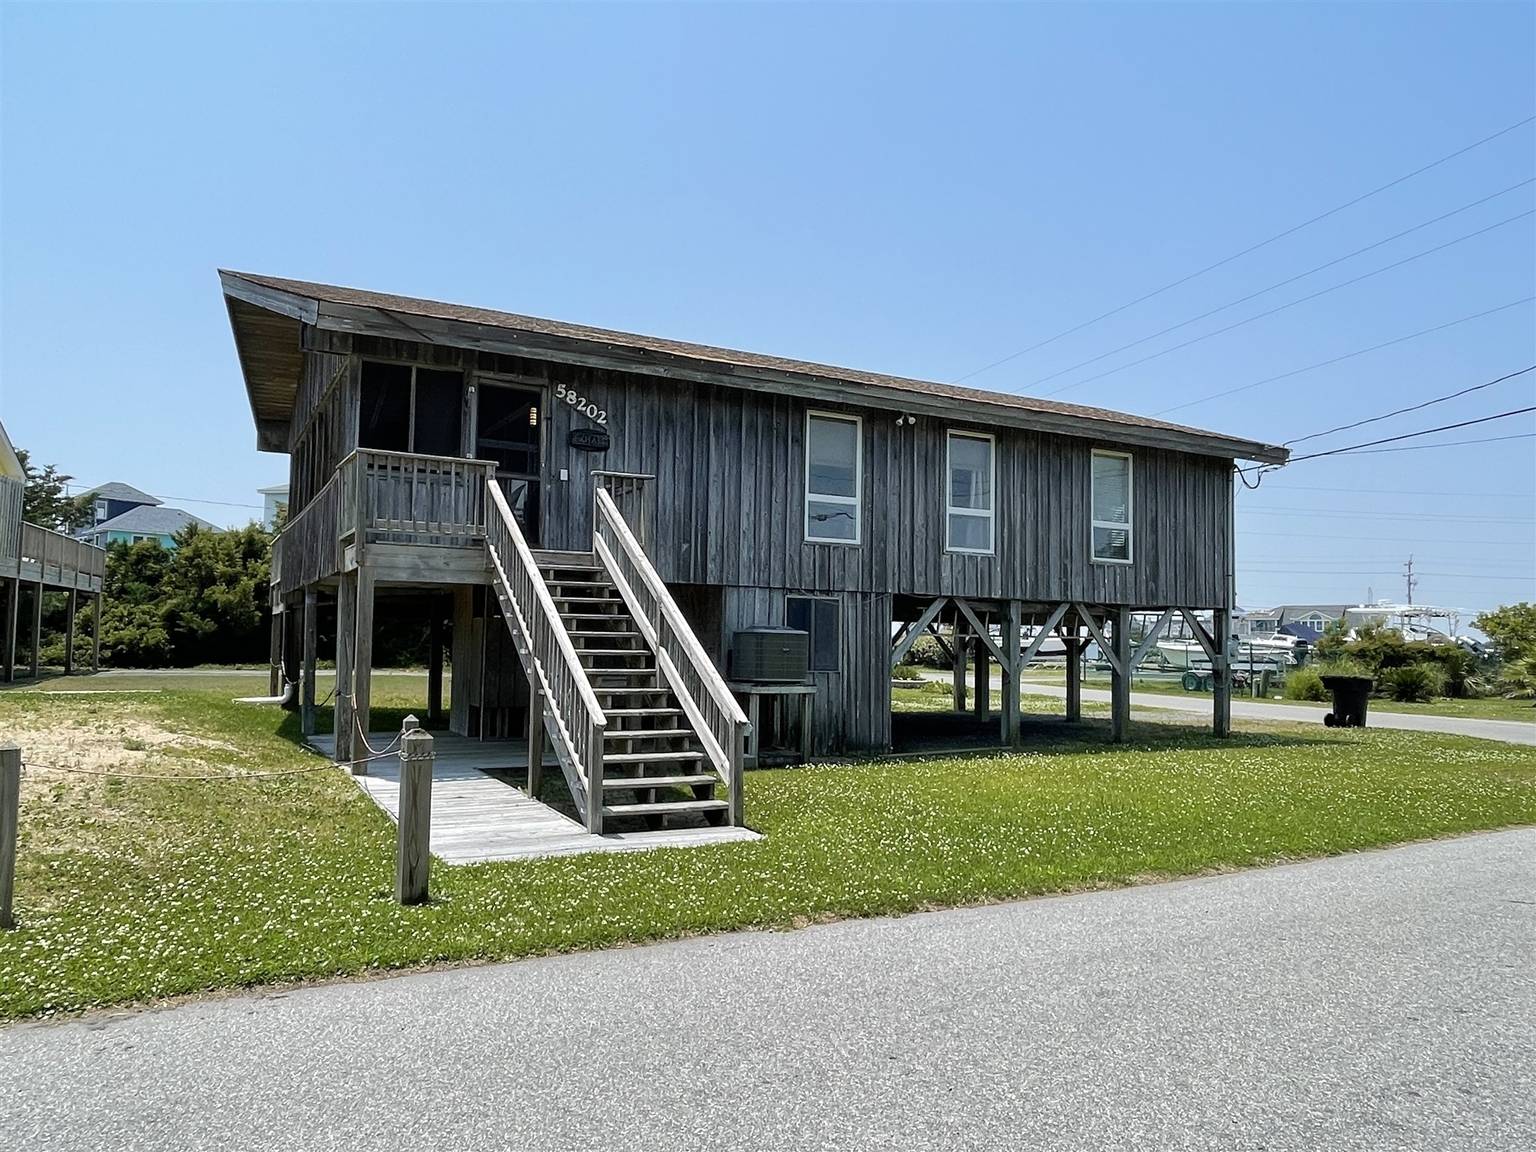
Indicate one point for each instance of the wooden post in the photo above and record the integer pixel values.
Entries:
(1012, 639)
(1120, 686)
(362, 668)
(37, 630)
(12, 618)
(535, 739)
(275, 651)
(959, 642)
(413, 832)
(71, 605)
(346, 631)
(982, 675)
(1221, 672)
(96, 633)
(1075, 649)
(10, 804)
(307, 661)
(435, 663)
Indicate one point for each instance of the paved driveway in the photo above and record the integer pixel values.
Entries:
(1384, 1000)
(1512, 731)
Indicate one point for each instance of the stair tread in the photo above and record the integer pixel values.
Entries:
(644, 757)
(633, 712)
(663, 807)
(622, 782)
(644, 733)
(606, 633)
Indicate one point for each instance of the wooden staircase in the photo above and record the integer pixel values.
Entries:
(653, 763)
(641, 721)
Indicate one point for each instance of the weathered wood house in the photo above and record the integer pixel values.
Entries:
(609, 526)
(35, 561)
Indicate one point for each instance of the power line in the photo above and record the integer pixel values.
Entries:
(185, 499)
(1299, 300)
(1412, 435)
(1383, 572)
(1353, 536)
(1401, 492)
(1451, 443)
(1346, 356)
(1250, 249)
(1414, 516)
(1411, 408)
(1278, 284)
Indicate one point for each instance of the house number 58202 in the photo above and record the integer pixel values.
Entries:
(581, 404)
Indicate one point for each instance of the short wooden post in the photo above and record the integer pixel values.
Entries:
(1120, 687)
(275, 651)
(982, 675)
(413, 833)
(307, 661)
(10, 804)
(69, 631)
(37, 630)
(1221, 672)
(535, 739)
(96, 633)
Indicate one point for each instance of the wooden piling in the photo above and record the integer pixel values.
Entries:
(1221, 672)
(71, 607)
(10, 805)
(307, 661)
(1120, 687)
(362, 668)
(413, 852)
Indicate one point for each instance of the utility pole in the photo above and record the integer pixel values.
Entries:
(1408, 575)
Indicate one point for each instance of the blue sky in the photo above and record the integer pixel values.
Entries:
(916, 189)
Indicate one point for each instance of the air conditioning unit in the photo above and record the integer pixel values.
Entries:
(771, 656)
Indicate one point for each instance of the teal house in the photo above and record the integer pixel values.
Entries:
(123, 514)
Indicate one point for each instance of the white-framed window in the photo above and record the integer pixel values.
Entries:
(970, 493)
(1111, 500)
(101, 511)
(834, 478)
(1314, 620)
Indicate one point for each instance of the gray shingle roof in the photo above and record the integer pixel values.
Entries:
(117, 490)
(147, 520)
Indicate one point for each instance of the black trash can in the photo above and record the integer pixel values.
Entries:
(1351, 695)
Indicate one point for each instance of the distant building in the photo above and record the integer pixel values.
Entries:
(121, 514)
(274, 502)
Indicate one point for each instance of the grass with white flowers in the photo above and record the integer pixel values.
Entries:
(132, 890)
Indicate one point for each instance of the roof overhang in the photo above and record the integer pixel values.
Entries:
(268, 327)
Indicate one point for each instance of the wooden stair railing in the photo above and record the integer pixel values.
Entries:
(572, 716)
(712, 711)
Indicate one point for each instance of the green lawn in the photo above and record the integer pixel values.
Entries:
(131, 890)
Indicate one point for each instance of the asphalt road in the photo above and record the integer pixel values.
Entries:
(1383, 1001)
(1511, 731)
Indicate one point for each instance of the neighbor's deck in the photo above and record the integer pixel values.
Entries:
(477, 817)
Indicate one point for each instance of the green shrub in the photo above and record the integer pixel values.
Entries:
(1343, 666)
(1305, 684)
(905, 672)
(1414, 682)
(926, 653)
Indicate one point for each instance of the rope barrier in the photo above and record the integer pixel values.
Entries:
(27, 764)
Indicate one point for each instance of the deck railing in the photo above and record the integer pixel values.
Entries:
(712, 710)
(550, 656)
(54, 558)
(12, 493)
(377, 497)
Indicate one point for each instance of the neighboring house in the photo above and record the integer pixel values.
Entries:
(274, 502)
(144, 522)
(121, 514)
(110, 501)
(605, 522)
(35, 561)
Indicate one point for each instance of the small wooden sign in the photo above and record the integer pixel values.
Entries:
(590, 440)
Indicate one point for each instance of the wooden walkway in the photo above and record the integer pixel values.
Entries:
(477, 817)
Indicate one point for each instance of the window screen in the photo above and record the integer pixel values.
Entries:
(1112, 507)
(439, 411)
(385, 420)
(818, 617)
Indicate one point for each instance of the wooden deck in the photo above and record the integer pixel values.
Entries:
(477, 817)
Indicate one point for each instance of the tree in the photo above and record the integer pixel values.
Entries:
(1512, 629)
(46, 500)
